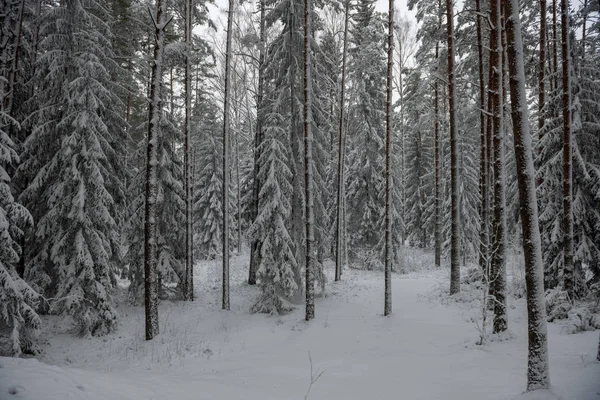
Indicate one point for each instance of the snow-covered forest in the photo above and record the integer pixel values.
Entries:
(204, 200)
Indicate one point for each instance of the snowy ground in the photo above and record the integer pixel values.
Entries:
(425, 350)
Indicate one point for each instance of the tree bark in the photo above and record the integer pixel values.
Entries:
(341, 152)
(554, 43)
(226, 172)
(254, 249)
(498, 265)
(308, 166)
(568, 277)
(537, 370)
(454, 178)
(483, 166)
(387, 308)
(542, 72)
(150, 244)
(189, 266)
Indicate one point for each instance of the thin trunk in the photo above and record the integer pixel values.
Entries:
(189, 267)
(537, 370)
(150, 244)
(12, 78)
(226, 172)
(568, 278)
(239, 195)
(483, 167)
(436, 132)
(308, 166)
(555, 43)
(455, 187)
(541, 75)
(498, 260)
(341, 151)
(254, 248)
(387, 309)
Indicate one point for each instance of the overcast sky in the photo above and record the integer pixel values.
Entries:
(219, 10)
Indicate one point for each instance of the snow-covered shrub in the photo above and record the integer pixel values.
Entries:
(580, 319)
(517, 287)
(473, 274)
(558, 304)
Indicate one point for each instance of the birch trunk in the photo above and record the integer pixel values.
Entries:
(308, 167)
(226, 172)
(568, 278)
(150, 244)
(455, 187)
(537, 369)
(341, 153)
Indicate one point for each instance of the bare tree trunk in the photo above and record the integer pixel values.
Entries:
(341, 152)
(189, 266)
(541, 75)
(387, 308)
(436, 140)
(568, 278)
(226, 172)
(483, 168)
(537, 370)
(254, 247)
(308, 167)
(455, 187)
(555, 43)
(498, 260)
(150, 275)
(12, 77)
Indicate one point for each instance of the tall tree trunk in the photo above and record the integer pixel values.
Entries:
(541, 75)
(483, 167)
(254, 248)
(537, 370)
(498, 253)
(555, 43)
(341, 152)
(189, 266)
(455, 187)
(568, 277)
(226, 172)
(12, 77)
(387, 308)
(308, 167)
(150, 244)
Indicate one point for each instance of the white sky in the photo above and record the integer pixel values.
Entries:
(218, 11)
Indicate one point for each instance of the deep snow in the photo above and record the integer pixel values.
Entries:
(425, 350)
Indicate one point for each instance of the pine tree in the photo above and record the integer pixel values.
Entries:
(497, 274)
(567, 179)
(388, 178)
(537, 370)
(366, 130)
(76, 192)
(276, 271)
(341, 152)
(18, 300)
(455, 239)
(150, 235)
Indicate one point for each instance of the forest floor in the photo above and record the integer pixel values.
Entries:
(426, 350)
